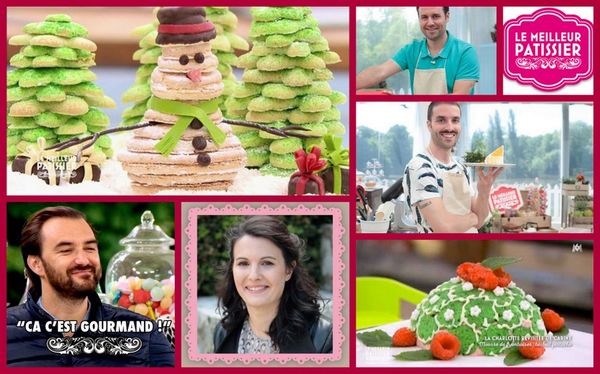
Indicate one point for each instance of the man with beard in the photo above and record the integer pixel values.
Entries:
(439, 64)
(437, 186)
(61, 259)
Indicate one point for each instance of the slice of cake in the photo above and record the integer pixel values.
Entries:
(496, 157)
(483, 308)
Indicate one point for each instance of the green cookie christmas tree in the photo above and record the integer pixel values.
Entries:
(224, 47)
(140, 92)
(50, 94)
(285, 83)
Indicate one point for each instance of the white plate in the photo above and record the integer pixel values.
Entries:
(580, 354)
(483, 164)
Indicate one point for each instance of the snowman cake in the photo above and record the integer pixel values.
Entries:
(189, 148)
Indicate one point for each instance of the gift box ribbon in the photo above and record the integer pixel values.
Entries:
(186, 113)
(307, 164)
(337, 157)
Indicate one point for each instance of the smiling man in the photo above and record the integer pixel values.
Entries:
(439, 64)
(438, 187)
(62, 261)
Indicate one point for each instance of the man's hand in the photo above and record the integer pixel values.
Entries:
(480, 205)
(486, 181)
(440, 220)
(463, 87)
(375, 74)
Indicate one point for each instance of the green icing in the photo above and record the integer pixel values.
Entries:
(434, 302)
(451, 300)
(454, 311)
(257, 156)
(486, 315)
(251, 139)
(61, 28)
(269, 169)
(283, 161)
(426, 328)
(467, 337)
(494, 340)
(505, 299)
(507, 311)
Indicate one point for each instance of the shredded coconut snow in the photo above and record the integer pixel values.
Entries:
(114, 181)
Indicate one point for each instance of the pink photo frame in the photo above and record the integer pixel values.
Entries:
(339, 282)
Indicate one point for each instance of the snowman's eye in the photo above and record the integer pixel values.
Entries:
(198, 57)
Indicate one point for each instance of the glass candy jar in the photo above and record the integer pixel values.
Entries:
(141, 277)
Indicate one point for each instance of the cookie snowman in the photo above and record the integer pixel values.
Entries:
(189, 148)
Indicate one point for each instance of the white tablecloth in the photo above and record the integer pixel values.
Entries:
(580, 354)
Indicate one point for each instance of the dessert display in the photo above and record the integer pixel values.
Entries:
(285, 83)
(478, 306)
(496, 157)
(530, 217)
(480, 312)
(477, 157)
(224, 47)
(191, 126)
(51, 97)
(191, 149)
(581, 202)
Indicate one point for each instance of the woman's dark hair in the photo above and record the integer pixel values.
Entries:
(298, 307)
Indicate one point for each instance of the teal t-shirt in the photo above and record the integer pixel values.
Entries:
(458, 57)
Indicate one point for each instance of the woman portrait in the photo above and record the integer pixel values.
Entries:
(269, 302)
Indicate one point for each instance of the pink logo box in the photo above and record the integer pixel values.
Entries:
(548, 49)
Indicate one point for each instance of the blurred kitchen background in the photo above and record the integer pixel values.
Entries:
(558, 274)
(111, 29)
(381, 32)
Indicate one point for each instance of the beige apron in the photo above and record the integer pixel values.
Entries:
(430, 81)
(457, 195)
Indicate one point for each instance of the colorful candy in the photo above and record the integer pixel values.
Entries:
(149, 297)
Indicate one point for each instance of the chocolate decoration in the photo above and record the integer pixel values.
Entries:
(162, 39)
(199, 143)
(311, 187)
(196, 124)
(78, 174)
(327, 176)
(175, 14)
(18, 165)
(203, 159)
(199, 57)
(184, 59)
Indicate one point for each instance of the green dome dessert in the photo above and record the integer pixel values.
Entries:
(486, 321)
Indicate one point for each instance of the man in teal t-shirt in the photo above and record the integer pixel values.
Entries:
(439, 64)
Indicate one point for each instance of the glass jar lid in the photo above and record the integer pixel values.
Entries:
(147, 233)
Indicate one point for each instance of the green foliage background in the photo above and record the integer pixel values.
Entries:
(213, 252)
(378, 40)
(395, 149)
(112, 221)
